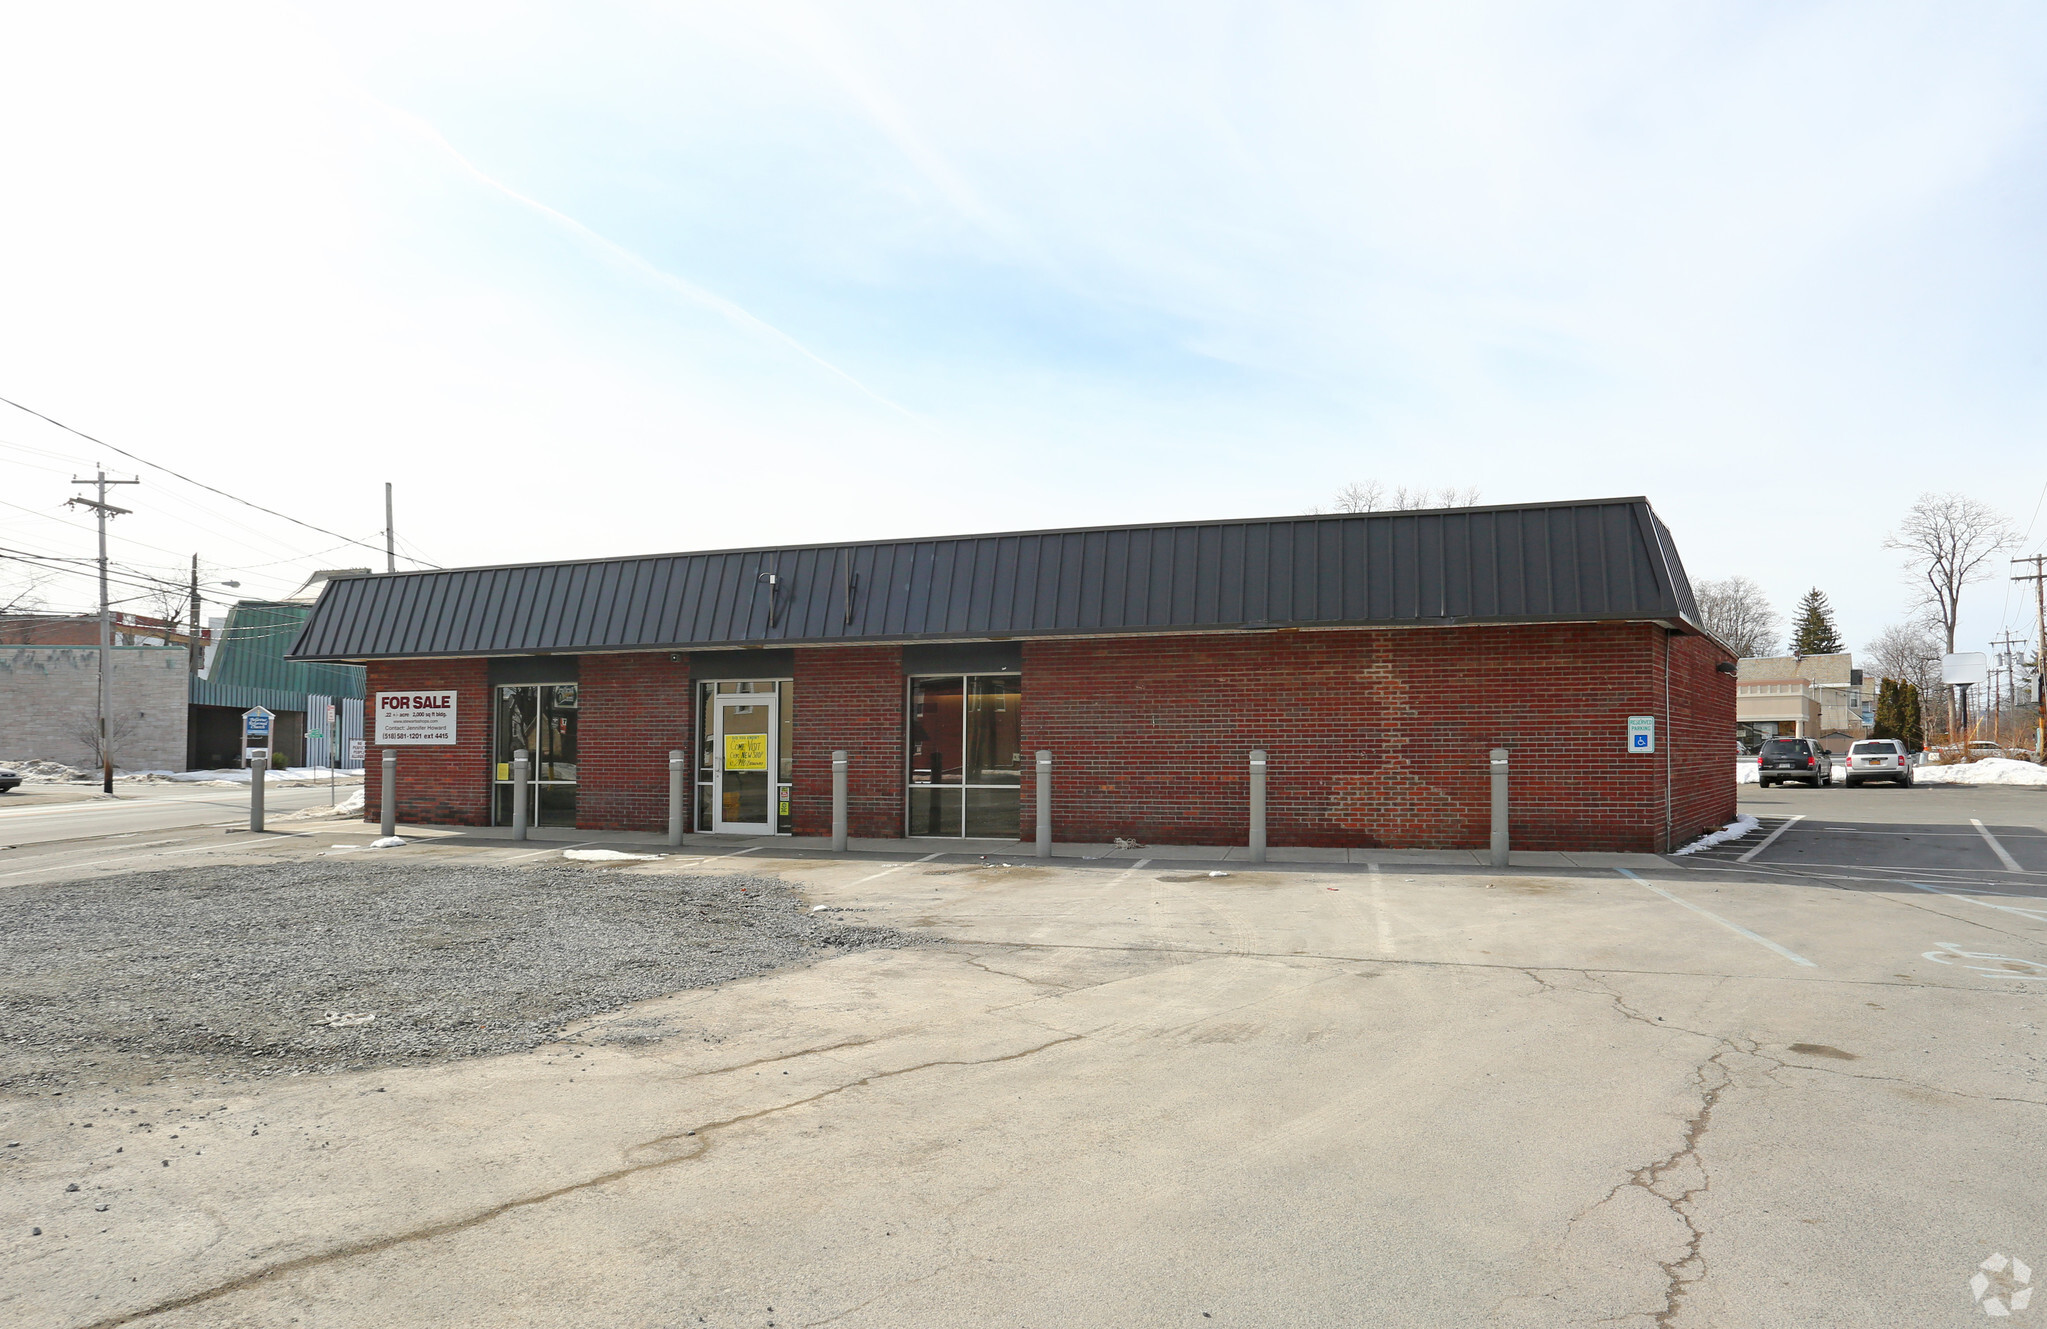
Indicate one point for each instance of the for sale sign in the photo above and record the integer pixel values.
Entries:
(415, 719)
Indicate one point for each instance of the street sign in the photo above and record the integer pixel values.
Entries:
(256, 722)
(1641, 733)
(314, 733)
(1970, 668)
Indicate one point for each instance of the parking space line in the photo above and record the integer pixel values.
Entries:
(1771, 838)
(2010, 864)
(2036, 915)
(897, 868)
(1788, 954)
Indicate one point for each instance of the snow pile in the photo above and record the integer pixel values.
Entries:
(1991, 770)
(351, 806)
(389, 842)
(607, 856)
(1733, 830)
(1745, 772)
(47, 772)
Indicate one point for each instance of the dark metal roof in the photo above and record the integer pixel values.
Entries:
(1551, 562)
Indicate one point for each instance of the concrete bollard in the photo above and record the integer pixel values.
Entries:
(1044, 804)
(678, 779)
(259, 766)
(1258, 806)
(1498, 761)
(390, 793)
(522, 789)
(839, 818)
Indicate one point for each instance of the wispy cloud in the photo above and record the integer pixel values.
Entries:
(617, 253)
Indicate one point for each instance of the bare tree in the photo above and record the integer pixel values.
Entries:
(24, 596)
(1735, 610)
(85, 727)
(1360, 496)
(1946, 540)
(1371, 496)
(1910, 652)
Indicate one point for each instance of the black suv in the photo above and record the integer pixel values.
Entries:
(1794, 759)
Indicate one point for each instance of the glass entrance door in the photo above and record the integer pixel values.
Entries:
(744, 759)
(542, 720)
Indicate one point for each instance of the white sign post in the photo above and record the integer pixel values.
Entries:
(415, 719)
(1641, 733)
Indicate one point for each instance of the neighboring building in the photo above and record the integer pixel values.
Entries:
(1800, 696)
(1376, 658)
(49, 705)
(84, 630)
(248, 668)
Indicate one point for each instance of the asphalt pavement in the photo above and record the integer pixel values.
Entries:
(1803, 1087)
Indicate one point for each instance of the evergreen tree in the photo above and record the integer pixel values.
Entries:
(1887, 719)
(1913, 730)
(1812, 628)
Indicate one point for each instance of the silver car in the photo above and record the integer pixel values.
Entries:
(1879, 759)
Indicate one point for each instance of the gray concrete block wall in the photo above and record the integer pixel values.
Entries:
(49, 693)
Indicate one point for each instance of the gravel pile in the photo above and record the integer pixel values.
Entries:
(271, 969)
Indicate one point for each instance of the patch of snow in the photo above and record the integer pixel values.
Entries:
(351, 806)
(1733, 830)
(607, 856)
(389, 842)
(1991, 770)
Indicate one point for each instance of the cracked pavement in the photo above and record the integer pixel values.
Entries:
(1120, 1096)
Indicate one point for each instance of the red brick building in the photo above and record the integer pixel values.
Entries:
(1375, 657)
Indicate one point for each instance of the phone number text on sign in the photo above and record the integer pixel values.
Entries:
(406, 719)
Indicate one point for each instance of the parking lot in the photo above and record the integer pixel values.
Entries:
(1796, 1080)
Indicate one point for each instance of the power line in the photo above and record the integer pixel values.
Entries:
(189, 480)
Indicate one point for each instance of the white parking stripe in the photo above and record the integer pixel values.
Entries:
(1772, 839)
(1790, 955)
(2037, 915)
(897, 868)
(2010, 864)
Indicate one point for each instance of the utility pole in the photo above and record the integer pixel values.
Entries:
(2010, 674)
(2039, 580)
(104, 510)
(192, 648)
(390, 536)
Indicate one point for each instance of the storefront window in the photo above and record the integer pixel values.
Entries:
(965, 755)
(541, 720)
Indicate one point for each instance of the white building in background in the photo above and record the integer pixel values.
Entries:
(1799, 696)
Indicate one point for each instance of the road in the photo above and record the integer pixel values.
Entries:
(1806, 1089)
(47, 815)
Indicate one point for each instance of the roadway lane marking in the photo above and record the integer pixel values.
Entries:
(1761, 847)
(2037, 915)
(1757, 937)
(2010, 864)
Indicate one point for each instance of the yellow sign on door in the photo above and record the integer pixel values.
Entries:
(746, 752)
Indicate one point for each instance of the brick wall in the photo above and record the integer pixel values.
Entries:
(633, 710)
(849, 697)
(1376, 738)
(1701, 739)
(444, 785)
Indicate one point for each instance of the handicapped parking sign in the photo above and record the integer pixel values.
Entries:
(1641, 733)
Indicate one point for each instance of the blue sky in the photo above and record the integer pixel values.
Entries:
(598, 279)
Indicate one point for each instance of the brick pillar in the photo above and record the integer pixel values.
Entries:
(849, 697)
(633, 710)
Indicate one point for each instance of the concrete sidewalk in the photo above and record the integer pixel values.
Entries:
(1015, 851)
